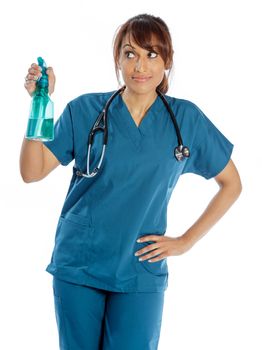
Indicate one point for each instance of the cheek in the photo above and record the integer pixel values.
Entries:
(126, 69)
(126, 63)
(158, 75)
(159, 70)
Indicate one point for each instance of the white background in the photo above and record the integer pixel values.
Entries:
(214, 295)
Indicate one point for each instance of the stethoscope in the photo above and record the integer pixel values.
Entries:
(180, 152)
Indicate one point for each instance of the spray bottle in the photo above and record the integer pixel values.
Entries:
(40, 125)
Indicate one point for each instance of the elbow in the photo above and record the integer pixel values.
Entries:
(30, 178)
(27, 179)
(240, 187)
(24, 176)
(230, 181)
(233, 188)
(237, 186)
(236, 190)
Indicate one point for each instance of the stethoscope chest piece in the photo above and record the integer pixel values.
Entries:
(181, 152)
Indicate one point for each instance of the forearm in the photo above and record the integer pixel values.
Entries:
(217, 207)
(31, 159)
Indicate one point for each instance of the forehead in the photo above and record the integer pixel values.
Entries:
(129, 40)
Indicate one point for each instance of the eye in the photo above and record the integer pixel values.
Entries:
(127, 53)
(152, 54)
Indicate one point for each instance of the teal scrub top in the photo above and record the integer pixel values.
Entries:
(103, 216)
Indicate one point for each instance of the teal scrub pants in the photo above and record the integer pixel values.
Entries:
(94, 319)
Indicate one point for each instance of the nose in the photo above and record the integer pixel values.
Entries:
(141, 65)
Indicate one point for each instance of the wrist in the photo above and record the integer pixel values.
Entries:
(182, 244)
(188, 239)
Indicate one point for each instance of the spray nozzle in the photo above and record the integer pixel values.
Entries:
(43, 81)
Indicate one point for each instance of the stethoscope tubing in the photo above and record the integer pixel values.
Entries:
(180, 151)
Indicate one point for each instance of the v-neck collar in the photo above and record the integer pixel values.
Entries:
(134, 132)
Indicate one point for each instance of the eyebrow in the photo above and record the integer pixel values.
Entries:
(154, 46)
(129, 45)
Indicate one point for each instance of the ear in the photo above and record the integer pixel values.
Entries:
(167, 66)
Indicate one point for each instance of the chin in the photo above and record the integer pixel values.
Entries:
(141, 88)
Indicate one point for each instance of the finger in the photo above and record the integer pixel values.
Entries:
(34, 77)
(30, 83)
(35, 66)
(50, 71)
(36, 70)
(51, 79)
(33, 74)
(160, 257)
(51, 75)
(31, 77)
(151, 255)
(149, 238)
(146, 249)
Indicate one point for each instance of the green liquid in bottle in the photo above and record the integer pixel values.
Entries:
(40, 129)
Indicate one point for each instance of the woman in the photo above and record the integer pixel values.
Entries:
(108, 286)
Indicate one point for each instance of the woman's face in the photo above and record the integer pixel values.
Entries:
(142, 70)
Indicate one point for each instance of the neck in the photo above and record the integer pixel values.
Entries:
(138, 104)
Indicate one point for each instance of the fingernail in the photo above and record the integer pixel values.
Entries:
(138, 240)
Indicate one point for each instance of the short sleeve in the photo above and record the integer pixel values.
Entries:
(211, 150)
(63, 146)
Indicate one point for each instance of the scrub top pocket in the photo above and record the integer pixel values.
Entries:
(73, 241)
(157, 268)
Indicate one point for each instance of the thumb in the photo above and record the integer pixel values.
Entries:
(51, 79)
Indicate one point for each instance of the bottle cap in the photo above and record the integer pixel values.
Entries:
(43, 81)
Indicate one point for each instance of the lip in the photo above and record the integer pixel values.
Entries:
(141, 78)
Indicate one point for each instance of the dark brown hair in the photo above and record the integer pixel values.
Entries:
(142, 28)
